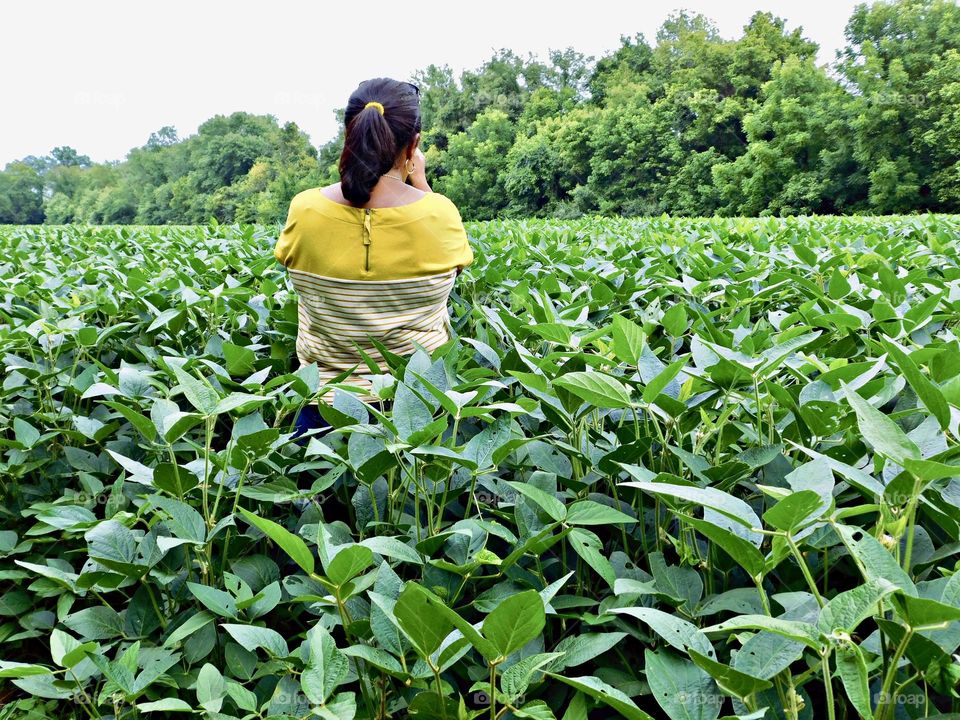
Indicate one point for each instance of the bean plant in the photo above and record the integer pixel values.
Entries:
(664, 468)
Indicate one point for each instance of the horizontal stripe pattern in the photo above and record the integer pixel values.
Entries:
(335, 313)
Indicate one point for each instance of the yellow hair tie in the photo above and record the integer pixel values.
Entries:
(375, 104)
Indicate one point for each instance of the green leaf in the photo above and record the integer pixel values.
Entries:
(852, 669)
(416, 616)
(607, 694)
(724, 503)
(142, 423)
(628, 340)
(139, 472)
(291, 544)
(728, 679)
(95, 623)
(391, 547)
(675, 631)
(588, 512)
(184, 522)
(236, 400)
(348, 563)
(87, 336)
(596, 388)
(517, 678)
(25, 433)
(660, 382)
(378, 658)
(588, 546)
(251, 637)
(874, 560)
(682, 584)
(792, 629)
(165, 705)
(198, 392)
(536, 710)
(190, 626)
(880, 431)
(67, 579)
(21, 670)
(578, 649)
(684, 691)
(838, 286)
(470, 633)
(546, 501)
(674, 320)
(847, 610)
(929, 393)
(930, 470)
(743, 552)
(113, 545)
(794, 511)
(66, 650)
(217, 601)
(239, 360)
(765, 654)
(515, 622)
(211, 689)
(326, 667)
(924, 613)
(410, 414)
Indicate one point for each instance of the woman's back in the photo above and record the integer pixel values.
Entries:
(373, 258)
(370, 272)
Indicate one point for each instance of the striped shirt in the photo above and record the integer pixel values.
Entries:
(370, 273)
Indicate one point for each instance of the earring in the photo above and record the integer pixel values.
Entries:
(411, 168)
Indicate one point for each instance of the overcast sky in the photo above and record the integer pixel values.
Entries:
(101, 76)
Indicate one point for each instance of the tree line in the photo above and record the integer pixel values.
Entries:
(690, 124)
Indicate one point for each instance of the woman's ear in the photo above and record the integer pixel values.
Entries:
(414, 144)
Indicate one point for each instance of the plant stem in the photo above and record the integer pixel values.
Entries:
(795, 551)
(233, 511)
(436, 678)
(207, 440)
(911, 524)
(156, 608)
(886, 701)
(828, 685)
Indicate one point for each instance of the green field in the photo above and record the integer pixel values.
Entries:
(681, 469)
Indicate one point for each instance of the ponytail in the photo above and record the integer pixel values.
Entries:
(373, 140)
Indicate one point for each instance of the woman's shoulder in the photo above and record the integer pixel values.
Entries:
(315, 195)
(330, 198)
(304, 198)
(445, 203)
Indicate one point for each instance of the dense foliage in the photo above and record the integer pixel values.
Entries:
(693, 125)
(668, 468)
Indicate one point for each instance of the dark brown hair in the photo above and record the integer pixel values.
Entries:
(373, 141)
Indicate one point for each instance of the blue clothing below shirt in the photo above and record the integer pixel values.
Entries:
(308, 418)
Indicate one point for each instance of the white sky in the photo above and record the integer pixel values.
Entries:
(102, 75)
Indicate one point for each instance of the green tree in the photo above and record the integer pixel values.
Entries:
(891, 48)
(475, 165)
(628, 63)
(634, 149)
(797, 140)
(544, 168)
(21, 194)
(940, 138)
